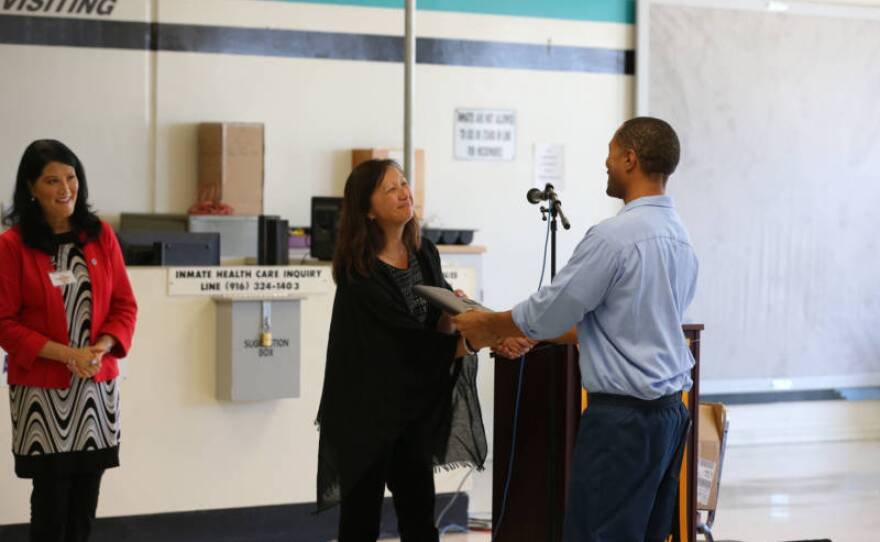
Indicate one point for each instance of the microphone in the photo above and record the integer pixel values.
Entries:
(536, 195)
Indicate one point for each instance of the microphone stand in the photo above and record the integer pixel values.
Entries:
(548, 476)
(554, 210)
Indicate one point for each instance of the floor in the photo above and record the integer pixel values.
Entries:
(783, 493)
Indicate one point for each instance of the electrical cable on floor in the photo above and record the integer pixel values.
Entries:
(453, 499)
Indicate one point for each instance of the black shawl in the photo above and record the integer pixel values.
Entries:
(385, 371)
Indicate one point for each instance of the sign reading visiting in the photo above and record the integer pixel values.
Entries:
(247, 281)
(485, 134)
(60, 7)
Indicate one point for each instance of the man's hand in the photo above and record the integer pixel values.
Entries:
(513, 347)
(444, 325)
(474, 325)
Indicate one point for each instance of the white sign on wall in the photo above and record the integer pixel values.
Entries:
(485, 134)
(249, 280)
(549, 165)
(462, 278)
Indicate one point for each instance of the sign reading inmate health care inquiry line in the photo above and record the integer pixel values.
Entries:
(249, 280)
(485, 134)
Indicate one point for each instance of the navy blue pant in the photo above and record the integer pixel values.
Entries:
(625, 471)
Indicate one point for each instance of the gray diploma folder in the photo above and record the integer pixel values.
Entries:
(447, 300)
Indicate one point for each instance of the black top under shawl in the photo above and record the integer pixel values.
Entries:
(405, 280)
(385, 370)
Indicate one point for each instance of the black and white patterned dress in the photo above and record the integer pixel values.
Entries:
(59, 432)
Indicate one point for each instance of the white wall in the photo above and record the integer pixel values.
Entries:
(317, 110)
(132, 115)
(96, 101)
(107, 104)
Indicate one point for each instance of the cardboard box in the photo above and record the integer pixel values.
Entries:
(231, 165)
(711, 430)
(417, 185)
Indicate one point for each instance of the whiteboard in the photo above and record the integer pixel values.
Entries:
(779, 183)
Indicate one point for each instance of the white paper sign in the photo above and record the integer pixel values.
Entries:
(705, 477)
(462, 278)
(485, 134)
(549, 165)
(249, 280)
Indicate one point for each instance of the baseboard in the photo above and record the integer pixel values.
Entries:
(287, 522)
(766, 397)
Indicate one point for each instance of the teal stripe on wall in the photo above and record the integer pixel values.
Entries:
(612, 11)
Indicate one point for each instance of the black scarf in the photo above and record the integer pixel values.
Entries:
(385, 371)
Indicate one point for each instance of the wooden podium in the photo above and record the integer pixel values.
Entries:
(549, 412)
(550, 408)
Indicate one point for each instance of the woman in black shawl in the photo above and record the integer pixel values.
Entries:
(399, 394)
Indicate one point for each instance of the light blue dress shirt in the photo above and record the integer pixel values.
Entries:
(626, 287)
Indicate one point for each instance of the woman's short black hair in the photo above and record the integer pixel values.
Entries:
(27, 213)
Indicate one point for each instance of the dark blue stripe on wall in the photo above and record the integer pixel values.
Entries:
(24, 30)
(524, 56)
(284, 43)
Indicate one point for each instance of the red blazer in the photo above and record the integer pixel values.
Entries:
(32, 310)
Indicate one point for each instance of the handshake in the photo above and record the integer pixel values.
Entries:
(490, 329)
(477, 327)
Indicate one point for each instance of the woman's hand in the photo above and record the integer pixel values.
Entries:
(513, 347)
(99, 351)
(105, 343)
(444, 325)
(85, 362)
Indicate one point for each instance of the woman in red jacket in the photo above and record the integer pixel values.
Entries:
(67, 314)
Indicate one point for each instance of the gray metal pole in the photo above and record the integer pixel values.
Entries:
(409, 61)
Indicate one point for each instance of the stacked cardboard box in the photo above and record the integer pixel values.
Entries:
(231, 165)
(709, 448)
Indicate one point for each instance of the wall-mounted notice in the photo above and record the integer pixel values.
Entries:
(485, 134)
(249, 281)
(63, 8)
(550, 165)
(462, 278)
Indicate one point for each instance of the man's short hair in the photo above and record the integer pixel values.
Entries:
(654, 142)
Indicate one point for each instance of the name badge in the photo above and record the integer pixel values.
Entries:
(62, 278)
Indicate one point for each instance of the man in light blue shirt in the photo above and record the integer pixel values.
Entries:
(621, 298)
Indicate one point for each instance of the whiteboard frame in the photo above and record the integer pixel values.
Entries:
(643, 70)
